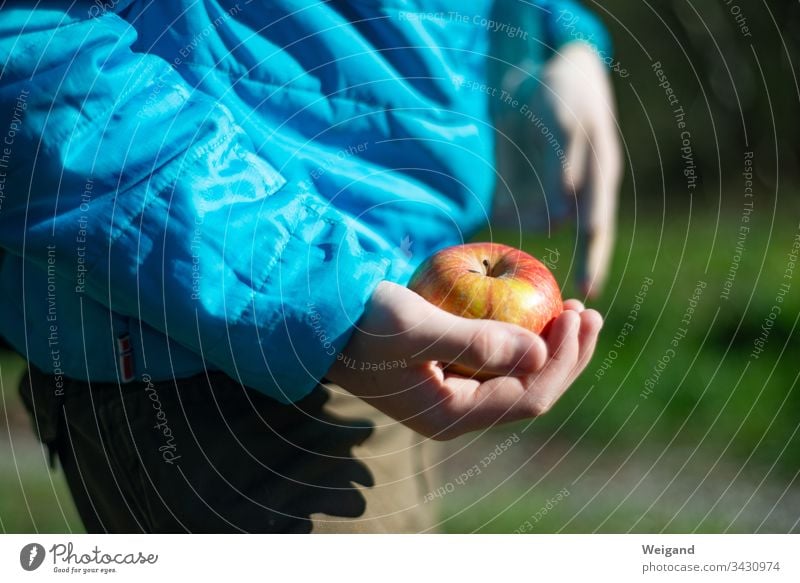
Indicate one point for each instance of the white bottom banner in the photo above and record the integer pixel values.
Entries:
(349, 558)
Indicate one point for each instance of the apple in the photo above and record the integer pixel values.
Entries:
(490, 281)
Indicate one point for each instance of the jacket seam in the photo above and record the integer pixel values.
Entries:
(271, 266)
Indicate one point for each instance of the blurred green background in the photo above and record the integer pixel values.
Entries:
(714, 446)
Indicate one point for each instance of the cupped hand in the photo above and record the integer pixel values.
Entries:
(396, 361)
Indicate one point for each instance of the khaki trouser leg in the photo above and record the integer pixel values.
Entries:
(403, 465)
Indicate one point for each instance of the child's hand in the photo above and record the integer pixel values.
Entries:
(394, 362)
(584, 107)
(571, 148)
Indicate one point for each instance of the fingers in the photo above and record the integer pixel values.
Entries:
(402, 324)
(473, 405)
(596, 243)
(571, 342)
(591, 324)
(562, 343)
(577, 153)
(597, 221)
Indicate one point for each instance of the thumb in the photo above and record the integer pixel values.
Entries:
(597, 222)
(485, 346)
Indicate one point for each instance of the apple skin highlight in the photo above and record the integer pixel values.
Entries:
(490, 281)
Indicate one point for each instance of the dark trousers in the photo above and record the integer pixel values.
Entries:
(205, 455)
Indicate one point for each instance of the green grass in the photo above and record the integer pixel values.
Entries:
(719, 428)
(35, 500)
(32, 497)
(712, 392)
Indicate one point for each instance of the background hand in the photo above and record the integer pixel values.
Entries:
(562, 152)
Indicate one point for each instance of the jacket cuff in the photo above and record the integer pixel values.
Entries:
(320, 287)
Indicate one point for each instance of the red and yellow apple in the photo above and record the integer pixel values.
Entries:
(490, 281)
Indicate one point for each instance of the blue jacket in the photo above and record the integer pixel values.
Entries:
(221, 185)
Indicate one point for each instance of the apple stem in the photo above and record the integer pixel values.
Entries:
(486, 265)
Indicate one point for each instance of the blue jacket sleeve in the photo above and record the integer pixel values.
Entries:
(568, 21)
(182, 223)
(540, 28)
